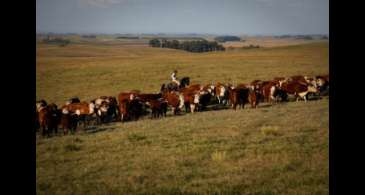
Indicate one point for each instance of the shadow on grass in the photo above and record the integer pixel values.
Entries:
(100, 128)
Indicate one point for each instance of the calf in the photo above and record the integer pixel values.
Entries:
(253, 97)
(158, 107)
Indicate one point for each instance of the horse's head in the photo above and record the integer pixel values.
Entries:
(184, 82)
(163, 88)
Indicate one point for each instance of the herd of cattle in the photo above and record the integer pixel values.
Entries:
(196, 97)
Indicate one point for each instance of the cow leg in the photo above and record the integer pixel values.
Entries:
(153, 114)
(49, 131)
(173, 110)
(65, 130)
(43, 127)
(99, 119)
(186, 107)
(192, 107)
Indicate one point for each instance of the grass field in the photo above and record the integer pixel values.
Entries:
(280, 149)
(269, 42)
(89, 70)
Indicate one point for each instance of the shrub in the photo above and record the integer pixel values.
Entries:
(58, 41)
(227, 38)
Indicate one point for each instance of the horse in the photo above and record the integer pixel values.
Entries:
(185, 81)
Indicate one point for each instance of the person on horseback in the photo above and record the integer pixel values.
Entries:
(174, 78)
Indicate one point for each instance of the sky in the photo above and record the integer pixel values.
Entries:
(230, 17)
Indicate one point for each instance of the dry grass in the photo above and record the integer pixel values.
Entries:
(268, 42)
(270, 130)
(210, 152)
(215, 152)
(89, 71)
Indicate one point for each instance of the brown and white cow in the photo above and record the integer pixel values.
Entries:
(49, 118)
(221, 93)
(173, 100)
(298, 89)
(68, 121)
(83, 110)
(189, 99)
(322, 83)
(268, 91)
(38, 106)
(106, 107)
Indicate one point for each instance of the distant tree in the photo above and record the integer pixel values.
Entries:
(191, 46)
(175, 44)
(155, 43)
(58, 41)
(226, 38)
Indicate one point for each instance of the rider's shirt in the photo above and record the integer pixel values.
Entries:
(173, 76)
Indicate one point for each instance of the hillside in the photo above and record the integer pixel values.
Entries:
(279, 149)
(89, 71)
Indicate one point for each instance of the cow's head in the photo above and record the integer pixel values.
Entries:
(65, 111)
(211, 89)
(131, 96)
(281, 82)
(312, 89)
(320, 82)
(103, 109)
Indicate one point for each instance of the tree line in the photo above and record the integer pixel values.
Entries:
(191, 46)
(58, 41)
(227, 38)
